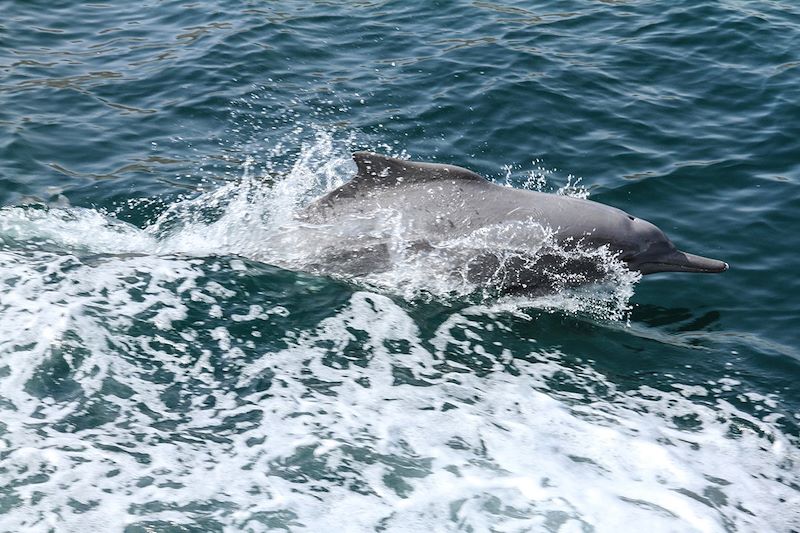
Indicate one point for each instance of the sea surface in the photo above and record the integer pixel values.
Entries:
(163, 367)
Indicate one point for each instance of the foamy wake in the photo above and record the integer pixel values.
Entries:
(153, 378)
(169, 408)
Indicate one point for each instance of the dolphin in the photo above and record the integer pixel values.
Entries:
(530, 242)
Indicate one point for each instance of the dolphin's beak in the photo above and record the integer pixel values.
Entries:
(678, 261)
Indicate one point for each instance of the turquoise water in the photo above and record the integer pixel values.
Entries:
(161, 369)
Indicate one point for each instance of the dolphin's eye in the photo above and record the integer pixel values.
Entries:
(632, 218)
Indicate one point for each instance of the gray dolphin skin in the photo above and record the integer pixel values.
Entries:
(436, 204)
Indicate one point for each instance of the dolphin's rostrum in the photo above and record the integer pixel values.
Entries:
(437, 205)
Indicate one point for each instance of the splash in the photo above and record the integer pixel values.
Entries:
(254, 216)
(541, 179)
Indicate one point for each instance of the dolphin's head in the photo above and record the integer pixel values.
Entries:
(648, 250)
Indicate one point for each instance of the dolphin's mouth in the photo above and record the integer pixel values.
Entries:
(678, 261)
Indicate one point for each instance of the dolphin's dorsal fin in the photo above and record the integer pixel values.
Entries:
(381, 171)
(378, 172)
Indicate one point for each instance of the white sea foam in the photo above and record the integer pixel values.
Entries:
(366, 424)
(136, 388)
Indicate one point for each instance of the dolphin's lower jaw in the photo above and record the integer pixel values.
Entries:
(678, 261)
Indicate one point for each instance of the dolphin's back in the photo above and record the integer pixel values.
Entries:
(447, 199)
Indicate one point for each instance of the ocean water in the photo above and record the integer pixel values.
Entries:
(164, 366)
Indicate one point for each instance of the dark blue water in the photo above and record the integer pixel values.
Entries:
(162, 370)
